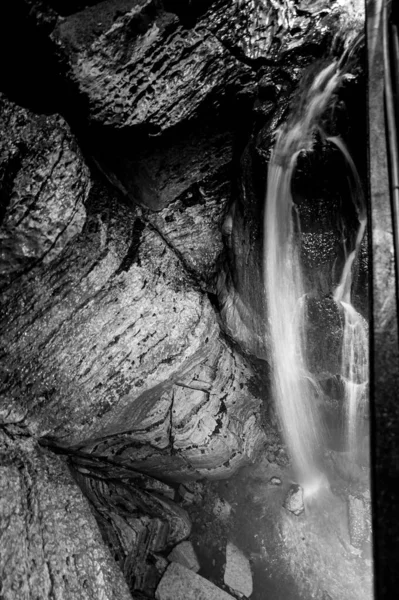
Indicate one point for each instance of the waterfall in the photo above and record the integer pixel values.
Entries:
(354, 361)
(297, 395)
(295, 392)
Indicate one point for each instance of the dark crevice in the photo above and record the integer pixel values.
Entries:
(132, 253)
(7, 179)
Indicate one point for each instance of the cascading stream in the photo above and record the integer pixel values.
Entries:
(297, 395)
(354, 361)
(294, 389)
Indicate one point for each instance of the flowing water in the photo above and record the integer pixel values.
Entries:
(297, 395)
(354, 362)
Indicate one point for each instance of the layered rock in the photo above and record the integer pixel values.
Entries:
(114, 348)
(145, 67)
(44, 185)
(204, 423)
(136, 521)
(51, 546)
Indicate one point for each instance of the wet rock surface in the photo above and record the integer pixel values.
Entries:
(145, 67)
(359, 517)
(294, 500)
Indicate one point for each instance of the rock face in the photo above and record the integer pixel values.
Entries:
(180, 583)
(91, 326)
(50, 546)
(145, 67)
(44, 185)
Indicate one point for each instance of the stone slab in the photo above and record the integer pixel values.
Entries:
(180, 583)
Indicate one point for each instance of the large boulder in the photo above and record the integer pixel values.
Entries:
(113, 341)
(51, 546)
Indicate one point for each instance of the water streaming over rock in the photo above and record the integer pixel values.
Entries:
(297, 394)
(354, 361)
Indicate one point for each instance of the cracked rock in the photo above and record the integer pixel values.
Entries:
(85, 337)
(51, 546)
(145, 67)
(136, 523)
(44, 183)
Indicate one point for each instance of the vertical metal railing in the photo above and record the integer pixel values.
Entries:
(391, 81)
(383, 118)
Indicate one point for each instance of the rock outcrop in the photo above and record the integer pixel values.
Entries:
(115, 341)
(51, 546)
(44, 185)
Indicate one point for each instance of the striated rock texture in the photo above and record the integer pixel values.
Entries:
(115, 341)
(137, 519)
(50, 543)
(146, 66)
(44, 184)
(205, 423)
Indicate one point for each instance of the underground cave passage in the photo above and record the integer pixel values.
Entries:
(198, 300)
